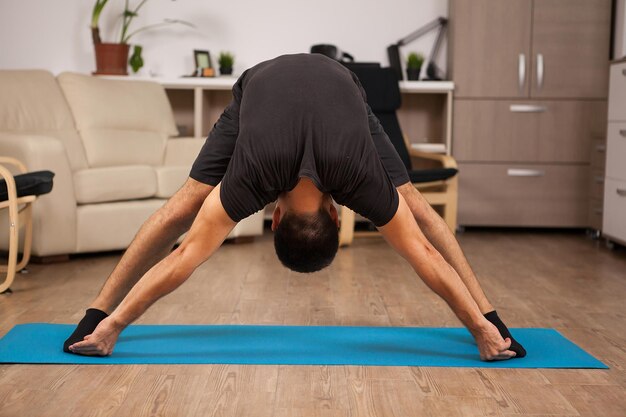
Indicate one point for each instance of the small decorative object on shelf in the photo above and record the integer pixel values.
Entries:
(226, 61)
(204, 67)
(136, 61)
(414, 66)
(112, 58)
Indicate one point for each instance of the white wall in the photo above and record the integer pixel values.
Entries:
(54, 34)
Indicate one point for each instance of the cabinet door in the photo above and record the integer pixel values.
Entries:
(527, 131)
(614, 225)
(523, 195)
(617, 95)
(488, 37)
(570, 48)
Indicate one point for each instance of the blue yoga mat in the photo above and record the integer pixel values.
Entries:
(293, 345)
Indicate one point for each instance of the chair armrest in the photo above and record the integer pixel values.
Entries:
(182, 151)
(6, 160)
(446, 160)
(7, 176)
(54, 214)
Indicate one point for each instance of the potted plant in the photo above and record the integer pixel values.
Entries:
(112, 58)
(414, 66)
(226, 61)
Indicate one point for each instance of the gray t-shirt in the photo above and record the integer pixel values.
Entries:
(303, 116)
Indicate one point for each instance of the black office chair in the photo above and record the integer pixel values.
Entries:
(439, 186)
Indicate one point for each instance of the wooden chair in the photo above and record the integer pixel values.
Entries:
(17, 194)
(439, 186)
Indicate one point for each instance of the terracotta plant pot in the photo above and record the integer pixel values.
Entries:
(111, 58)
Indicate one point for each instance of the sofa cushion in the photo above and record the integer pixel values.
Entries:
(113, 147)
(31, 102)
(111, 226)
(121, 122)
(99, 185)
(170, 179)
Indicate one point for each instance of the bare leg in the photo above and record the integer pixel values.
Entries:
(439, 235)
(153, 242)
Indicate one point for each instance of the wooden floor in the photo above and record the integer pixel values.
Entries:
(559, 280)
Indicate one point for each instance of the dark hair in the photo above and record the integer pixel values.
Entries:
(306, 243)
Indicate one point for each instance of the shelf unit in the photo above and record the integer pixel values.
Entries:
(425, 115)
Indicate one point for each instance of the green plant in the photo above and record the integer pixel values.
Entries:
(127, 17)
(415, 60)
(226, 60)
(136, 61)
(95, 17)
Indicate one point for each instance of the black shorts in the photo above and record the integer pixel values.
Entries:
(391, 160)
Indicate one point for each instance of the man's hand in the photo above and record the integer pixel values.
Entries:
(491, 345)
(101, 342)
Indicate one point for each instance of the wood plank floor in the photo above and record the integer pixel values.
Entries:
(560, 280)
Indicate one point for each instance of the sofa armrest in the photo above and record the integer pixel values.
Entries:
(182, 151)
(54, 214)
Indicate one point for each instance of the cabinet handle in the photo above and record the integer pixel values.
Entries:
(623, 131)
(539, 71)
(527, 108)
(599, 179)
(598, 211)
(517, 172)
(624, 72)
(621, 192)
(600, 148)
(521, 70)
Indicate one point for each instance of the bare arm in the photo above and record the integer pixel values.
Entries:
(207, 233)
(404, 235)
(437, 232)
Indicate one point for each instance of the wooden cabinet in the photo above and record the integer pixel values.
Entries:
(614, 221)
(526, 48)
(531, 86)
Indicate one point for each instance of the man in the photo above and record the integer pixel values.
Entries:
(298, 131)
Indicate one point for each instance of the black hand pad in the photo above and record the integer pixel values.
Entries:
(519, 350)
(86, 326)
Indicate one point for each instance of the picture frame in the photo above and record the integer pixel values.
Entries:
(204, 66)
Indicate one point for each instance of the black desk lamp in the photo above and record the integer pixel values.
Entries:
(393, 51)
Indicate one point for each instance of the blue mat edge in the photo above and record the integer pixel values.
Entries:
(78, 360)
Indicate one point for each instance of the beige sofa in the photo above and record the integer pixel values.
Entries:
(113, 147)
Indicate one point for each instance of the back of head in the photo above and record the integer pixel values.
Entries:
(306, 243)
